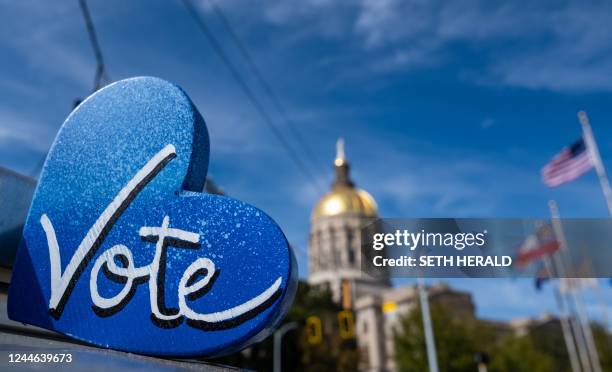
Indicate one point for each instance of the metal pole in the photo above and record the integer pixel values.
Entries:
(584, 326)
(278, 338)
(596, 158)
(604, 313)
(432, 358)
(588, 333)
(565, 327)
(562, 273)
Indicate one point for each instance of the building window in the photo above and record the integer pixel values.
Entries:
(351, 255)
(337, 258)
(318, 250)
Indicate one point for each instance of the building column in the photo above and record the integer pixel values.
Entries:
(370, 333)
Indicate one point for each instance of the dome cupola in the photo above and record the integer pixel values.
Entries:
(344, 197)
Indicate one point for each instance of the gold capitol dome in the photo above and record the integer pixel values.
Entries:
(344, 197)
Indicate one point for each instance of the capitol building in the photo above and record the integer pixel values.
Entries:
(337, 223)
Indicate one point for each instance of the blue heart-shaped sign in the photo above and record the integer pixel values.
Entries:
(121, 250)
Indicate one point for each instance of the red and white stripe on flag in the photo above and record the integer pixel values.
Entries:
(537, 245)
(571, 163)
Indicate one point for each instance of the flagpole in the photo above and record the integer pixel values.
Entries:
(596, 157)
(578, 334)
(585, 328)
(430, 343)
(588, 333)
(560, 271)
(563, 315)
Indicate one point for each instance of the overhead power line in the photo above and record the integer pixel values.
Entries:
(101, 72)
(247, 91)
(263, 82)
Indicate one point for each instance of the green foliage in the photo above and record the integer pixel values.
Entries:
(518, 354)
(455, 342)
(603, 340)
(548, 339)
(333, 354)
(459, 338)
(544, 349)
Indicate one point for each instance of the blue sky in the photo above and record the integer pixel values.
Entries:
(448, 109)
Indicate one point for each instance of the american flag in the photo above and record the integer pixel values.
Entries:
(571, 163)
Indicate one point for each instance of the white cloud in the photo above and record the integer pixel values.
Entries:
(46, 46)
(487, 123)
(538, 47)
(418, 182)
(20, 130)
(578, 56)
(553, 46)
